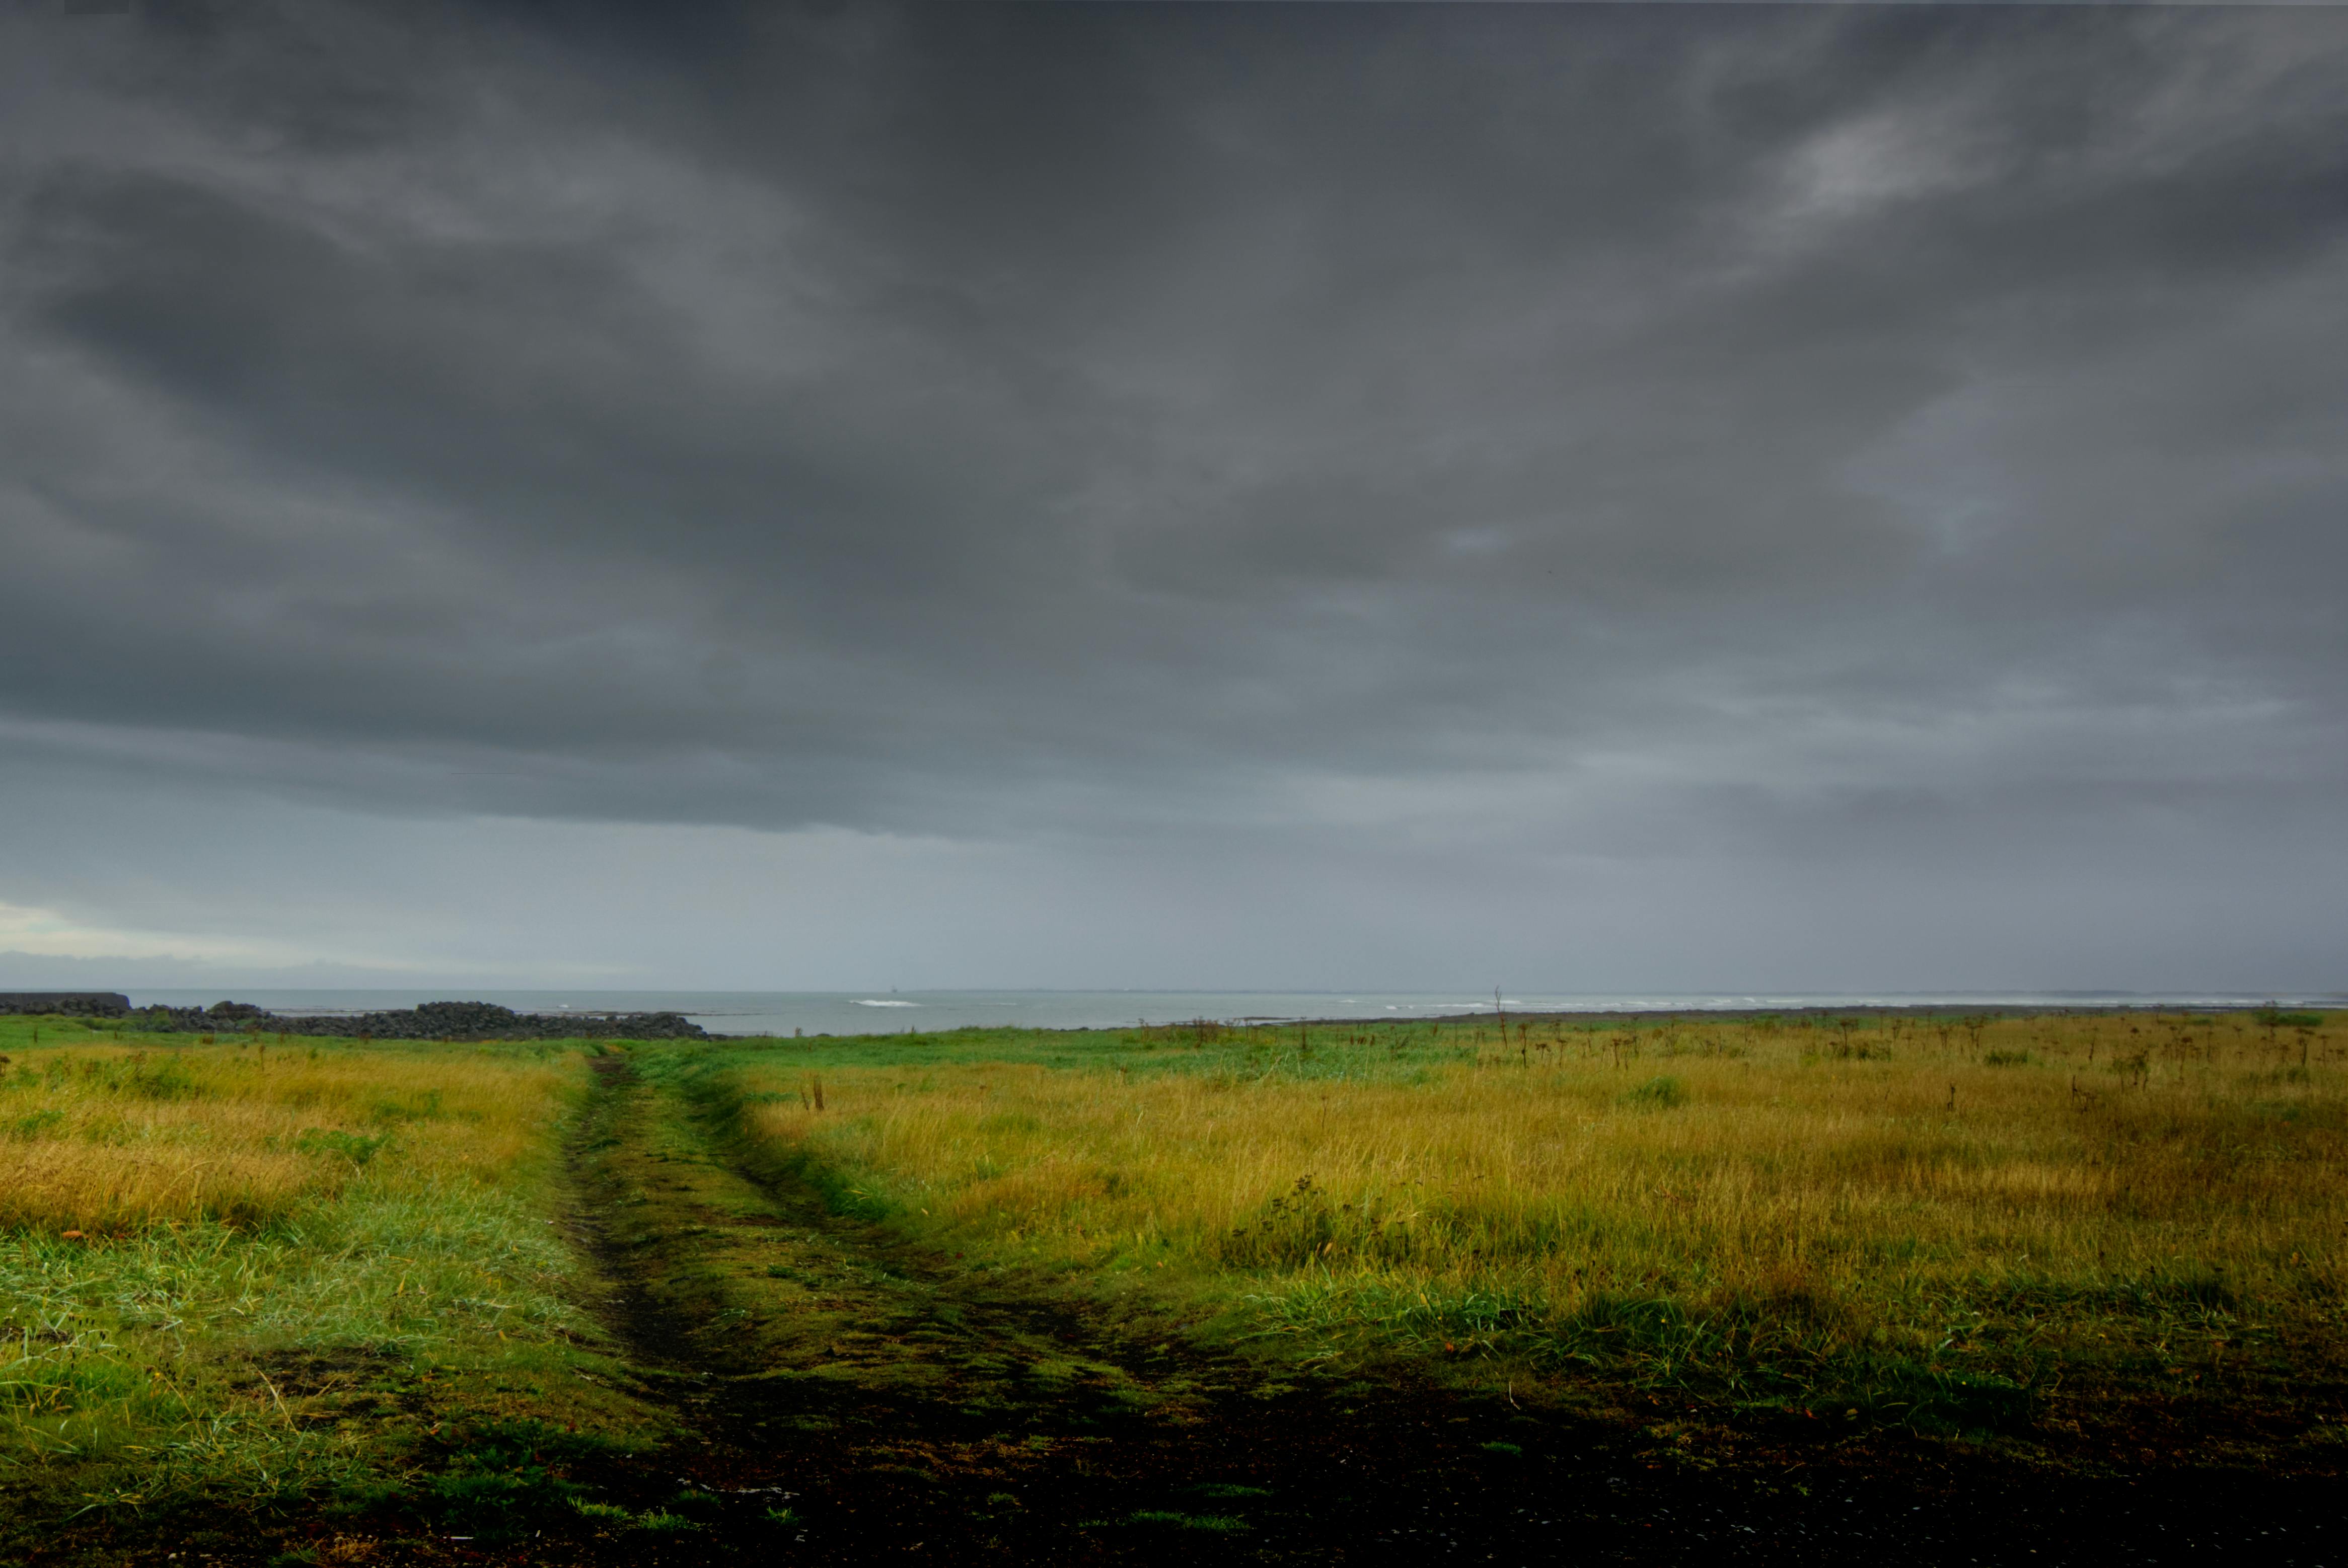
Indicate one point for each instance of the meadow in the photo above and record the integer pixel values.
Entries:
(255, 1269)
(1959, 1223)
(258, 1275)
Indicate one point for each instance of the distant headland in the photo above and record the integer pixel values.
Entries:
(73, 1004)
(431, 1021)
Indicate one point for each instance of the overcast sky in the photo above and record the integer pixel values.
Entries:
(1594, 497)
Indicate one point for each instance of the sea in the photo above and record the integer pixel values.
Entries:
(785, 1013)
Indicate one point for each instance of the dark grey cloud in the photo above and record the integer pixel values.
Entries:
(1896, 440)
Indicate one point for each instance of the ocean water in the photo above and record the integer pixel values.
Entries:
(893, 1012)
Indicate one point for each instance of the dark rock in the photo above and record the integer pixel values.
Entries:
(74, 1004)
(432, 1021)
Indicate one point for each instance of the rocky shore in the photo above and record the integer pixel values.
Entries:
(73, 1004)
(432, 1021)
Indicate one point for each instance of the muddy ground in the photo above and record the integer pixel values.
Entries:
(850, 1400)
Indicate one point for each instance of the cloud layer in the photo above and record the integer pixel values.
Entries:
(1641, 496)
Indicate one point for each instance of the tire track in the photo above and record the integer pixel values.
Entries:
(891, 1407)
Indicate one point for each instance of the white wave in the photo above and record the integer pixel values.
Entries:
(868, 1001)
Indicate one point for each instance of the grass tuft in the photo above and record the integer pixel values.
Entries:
(1214, 1523)
(1661, 1093)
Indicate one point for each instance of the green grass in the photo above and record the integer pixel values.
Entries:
(1960, 1224)
(260, 1271)
(1663, 1092)
(396, 1325)
(1212, 1523)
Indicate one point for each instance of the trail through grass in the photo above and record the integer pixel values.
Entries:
(1079, 1293)
(1959, 1223)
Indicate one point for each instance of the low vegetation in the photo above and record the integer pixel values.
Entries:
(252, 1270)
(240, 1273)
(1961, 1224)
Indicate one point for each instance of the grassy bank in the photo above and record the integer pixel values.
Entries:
(253, 1272)
(1953, 1224)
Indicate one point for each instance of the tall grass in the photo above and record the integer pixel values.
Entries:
(111, 1139)
(1748, 1205)
(247, 1271)
(201, 1358)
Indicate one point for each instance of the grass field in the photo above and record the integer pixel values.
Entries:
(257, 1274)
(1945, 1223)
(253, 1270)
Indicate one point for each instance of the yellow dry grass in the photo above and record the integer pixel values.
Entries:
(107, 1138)
(1878, 1180)
(251, 1271)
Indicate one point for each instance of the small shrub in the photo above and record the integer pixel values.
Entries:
(353, 1147)
(2006, 1059)
(1661, 1093)
(423, 1106)
(166, 1079)
(40, 1121)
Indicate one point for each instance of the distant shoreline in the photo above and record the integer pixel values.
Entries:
(483, 1020)
(1862, 1010)
(1720, 1014)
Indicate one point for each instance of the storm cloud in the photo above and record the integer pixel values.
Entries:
(1622, 496)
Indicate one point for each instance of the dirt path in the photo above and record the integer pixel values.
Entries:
(854, 1399)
